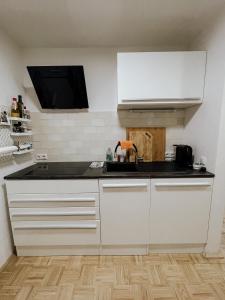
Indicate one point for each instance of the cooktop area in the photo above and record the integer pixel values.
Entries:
(58, 169)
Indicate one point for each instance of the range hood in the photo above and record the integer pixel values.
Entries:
(59, 87)
(160, 80)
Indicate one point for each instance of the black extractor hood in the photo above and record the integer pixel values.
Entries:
(59, 87)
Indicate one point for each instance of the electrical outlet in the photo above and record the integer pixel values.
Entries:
(41, 156)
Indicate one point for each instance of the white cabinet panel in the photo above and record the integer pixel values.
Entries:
(52, 186)
(180, 210)
(160, 75)
(124, 209)
(48, 216)
(47, 233)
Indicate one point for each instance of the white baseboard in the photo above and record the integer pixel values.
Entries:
(57, 250)
(124, 250)
(6, 262)
(176, 248)
(219, 254)
(114, 250)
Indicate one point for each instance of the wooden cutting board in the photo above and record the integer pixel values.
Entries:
(150, 142)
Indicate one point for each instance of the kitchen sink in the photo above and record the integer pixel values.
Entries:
(121, 167)
(147, 167)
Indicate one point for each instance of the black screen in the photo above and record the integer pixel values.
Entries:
(59, 87)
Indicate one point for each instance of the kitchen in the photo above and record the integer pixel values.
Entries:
(55, 204)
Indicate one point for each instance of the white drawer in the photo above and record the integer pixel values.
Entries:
(54, 214)
(53, 200)
(52, 186)
(40, 233)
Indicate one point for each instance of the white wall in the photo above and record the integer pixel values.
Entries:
(205, 129)
(87, 135)
(202, 127)
(11, 85)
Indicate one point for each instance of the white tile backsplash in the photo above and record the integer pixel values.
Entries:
(87, 135)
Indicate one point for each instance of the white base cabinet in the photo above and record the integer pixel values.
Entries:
(55, 217)
(109, 216)
(124, 209)
(180, 209)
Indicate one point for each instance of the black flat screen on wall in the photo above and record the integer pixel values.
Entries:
(59, 87)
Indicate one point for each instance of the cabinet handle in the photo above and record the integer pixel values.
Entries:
(154, 100)
(77, 226)
(183, 184)
(55, 200)
(124, 185)
(79, 213)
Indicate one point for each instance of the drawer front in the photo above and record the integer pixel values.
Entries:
(52, 186)
(54, 214)
(43, 233)
(180, 210)
(53, 200)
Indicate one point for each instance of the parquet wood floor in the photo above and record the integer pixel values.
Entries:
(153, 277)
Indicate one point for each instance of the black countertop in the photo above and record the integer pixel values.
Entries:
(81, 170)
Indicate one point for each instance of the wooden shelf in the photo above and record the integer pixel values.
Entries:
(21, 152)
(19, 119)
(21, 134)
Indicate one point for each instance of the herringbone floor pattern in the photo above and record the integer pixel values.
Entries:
(111, 277)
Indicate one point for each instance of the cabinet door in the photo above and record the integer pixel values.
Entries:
(124, 209)
(160, 75)
(180, 210)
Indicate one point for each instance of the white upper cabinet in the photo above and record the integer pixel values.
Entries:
(161, 79)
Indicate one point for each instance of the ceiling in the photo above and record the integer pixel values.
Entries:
(106, 23)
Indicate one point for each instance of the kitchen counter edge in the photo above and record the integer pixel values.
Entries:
(99, 173)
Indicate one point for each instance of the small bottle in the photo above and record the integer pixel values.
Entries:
(109, 155)
(14, 109)
(4, 117)
(25, 113)
(120, 155)
(20, 106)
